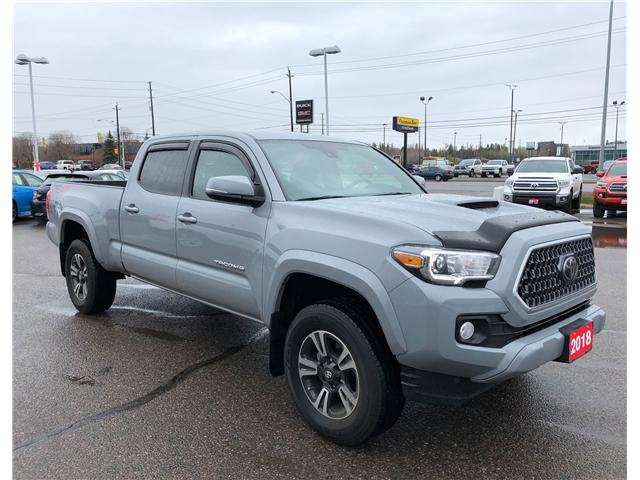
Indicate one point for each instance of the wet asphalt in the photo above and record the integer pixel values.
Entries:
(161, 386)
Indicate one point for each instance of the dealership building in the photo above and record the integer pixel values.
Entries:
(581, 153)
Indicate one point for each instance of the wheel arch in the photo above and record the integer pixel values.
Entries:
(73, 225)
(301, 278)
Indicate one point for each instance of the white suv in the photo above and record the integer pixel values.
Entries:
(66, 165)
(546, 182)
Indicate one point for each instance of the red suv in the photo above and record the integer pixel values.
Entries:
(610, 193)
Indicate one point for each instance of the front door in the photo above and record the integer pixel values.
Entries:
(148, 214)
(220, 243)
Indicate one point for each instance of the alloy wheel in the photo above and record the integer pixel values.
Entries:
(328, 374)
(79, 276)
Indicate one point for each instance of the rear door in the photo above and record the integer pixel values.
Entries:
(220, 243)
(148, 214)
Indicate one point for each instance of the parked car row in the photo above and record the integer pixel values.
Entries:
(30, 188)
(83, 165)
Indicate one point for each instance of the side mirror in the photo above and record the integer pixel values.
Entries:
(235, 188)
(420, 180)
(577, 170)
(599, 173)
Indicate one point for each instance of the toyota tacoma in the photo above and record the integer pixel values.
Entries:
(373, 290)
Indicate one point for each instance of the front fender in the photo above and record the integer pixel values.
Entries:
(341, 271)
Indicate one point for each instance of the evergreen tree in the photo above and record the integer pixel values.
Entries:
(109, 149)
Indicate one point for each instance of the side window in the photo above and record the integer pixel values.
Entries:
(215, 163)
(163, 171)
(17, 180)
(31, 180)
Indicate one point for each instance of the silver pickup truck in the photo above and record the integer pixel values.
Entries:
(373, 290)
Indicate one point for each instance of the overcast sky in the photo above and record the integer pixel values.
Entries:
(213, 66)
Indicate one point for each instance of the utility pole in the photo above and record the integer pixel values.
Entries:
(118, 137)
(419, 162)
(291, 100)
(322, 117)
(455, 134)
(562, 124)
(511, 134)
(603, 130)
(153, 120)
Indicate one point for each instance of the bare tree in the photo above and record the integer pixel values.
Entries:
(60, 146)
(23, 151)
(130, 141)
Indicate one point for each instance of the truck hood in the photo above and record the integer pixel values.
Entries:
(429, 212)
(614, 179)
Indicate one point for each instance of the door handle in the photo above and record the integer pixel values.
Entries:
(131, 208)
(187, 218)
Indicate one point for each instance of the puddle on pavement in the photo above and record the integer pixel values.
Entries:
(609, 237)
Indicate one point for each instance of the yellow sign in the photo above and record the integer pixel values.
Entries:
(99, 137)
(408, 122)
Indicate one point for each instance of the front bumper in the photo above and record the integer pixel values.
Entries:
(553, 199)
(610, 200)
(428, 316)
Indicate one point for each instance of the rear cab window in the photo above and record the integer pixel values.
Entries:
(164, 167)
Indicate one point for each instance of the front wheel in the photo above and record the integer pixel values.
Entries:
(575, 205)
(15, 212)
(437, 178)
(91, 288)
(344, 384)
(598, 211)
(472, 173)
(594, 170)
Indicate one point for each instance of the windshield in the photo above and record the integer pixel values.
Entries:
(543, 166)
(494, 162)
(617, 169)
(464, 163)
(308, 169)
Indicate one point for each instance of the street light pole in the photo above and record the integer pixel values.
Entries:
(120, 161)
(22, 59)
(515, 125)
(562, 124)
(603, 128)
(617, 105)
(422, 99)
(323, 52)
(455, 134)
(511, 133)
(288, 100)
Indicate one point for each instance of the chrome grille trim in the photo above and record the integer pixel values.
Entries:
(618, 187)
(536, 185)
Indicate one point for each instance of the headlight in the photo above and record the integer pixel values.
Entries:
(564, 183)
(602, 185)
(447, 266)
(509, 182)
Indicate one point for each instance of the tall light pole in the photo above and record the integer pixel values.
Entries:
(562, 124)
(22, 59)
(603, 128)
(511, 134)
(422, 99)
(617, 105)
(290, 106)
(515, 124)
(455, 134)
(384, 137)
(323, 52)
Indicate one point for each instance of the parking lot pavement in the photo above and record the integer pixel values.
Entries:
(483, 187)
(163, 387)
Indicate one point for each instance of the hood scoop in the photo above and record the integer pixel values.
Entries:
(478, 204)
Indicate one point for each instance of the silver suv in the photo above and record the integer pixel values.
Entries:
(470, 166)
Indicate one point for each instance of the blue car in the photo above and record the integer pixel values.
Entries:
(24, 184)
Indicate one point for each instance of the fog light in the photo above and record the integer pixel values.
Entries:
(467, 330)
(507, 197)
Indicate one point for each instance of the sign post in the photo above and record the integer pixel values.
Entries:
(405, 125)
(304, 113)
(531, 146)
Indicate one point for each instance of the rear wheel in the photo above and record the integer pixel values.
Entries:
(598, 211)
(594, 170)
(91, 288)
(15, 212)
(343, 383)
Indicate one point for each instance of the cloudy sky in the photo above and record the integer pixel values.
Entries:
(213, 66)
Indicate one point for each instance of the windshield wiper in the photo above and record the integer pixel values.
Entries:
(321, 197)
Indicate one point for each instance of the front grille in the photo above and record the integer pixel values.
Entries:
(542, 281)
(536, 185)
(618, 187)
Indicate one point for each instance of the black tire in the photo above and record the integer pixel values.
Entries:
(438, 178)
(566, 208)
(99, 285)
(594, 170)
(598, 211)
(575, 203)
(379, 394)
(472, 173)
(483, 175)
(497, 175)
(15, 212)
